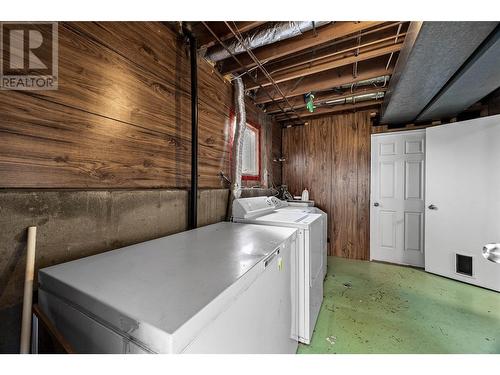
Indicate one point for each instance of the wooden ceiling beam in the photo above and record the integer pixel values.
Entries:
(298, 102)
(325, 64)
(371, 41)
(286, 47)
(327, 80)
(334, 109)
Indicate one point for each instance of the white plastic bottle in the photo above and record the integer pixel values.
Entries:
(305, 195)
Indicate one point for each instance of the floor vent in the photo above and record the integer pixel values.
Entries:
(464, 264)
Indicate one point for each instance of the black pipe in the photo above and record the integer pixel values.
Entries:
(193, 192)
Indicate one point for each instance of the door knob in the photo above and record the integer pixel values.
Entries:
(376, 204)
(432, 207)
(491, 251)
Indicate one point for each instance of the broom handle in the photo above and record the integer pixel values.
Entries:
(28, 292)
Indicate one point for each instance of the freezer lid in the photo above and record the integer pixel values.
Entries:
(308, 209)
(153, 288)
(300, 203)
(312, 210)
(289, 217)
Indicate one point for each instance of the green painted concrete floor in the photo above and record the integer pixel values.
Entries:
(385, 308)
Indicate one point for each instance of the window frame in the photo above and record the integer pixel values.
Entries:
(256, 177)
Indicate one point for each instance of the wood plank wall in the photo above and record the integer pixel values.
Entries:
(112, 122)
(331, 157)
(121, 115)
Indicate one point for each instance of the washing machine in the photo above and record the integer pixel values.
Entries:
(270, 211)
(308, 206)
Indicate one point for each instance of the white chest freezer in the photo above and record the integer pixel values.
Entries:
(223, 288)
(311, 233)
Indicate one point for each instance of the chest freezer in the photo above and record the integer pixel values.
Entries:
(223, 288)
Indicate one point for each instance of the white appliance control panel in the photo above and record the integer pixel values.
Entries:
(244, 208)
(277, 203)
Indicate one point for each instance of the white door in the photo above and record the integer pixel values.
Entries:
(463, 187)
(397, 198)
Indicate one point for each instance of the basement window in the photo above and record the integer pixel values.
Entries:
(251, 153)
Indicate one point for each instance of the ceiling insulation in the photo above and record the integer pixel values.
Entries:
(478, 78)
(433, 52)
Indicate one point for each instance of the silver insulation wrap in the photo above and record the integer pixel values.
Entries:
(239, 132)
(275, 32)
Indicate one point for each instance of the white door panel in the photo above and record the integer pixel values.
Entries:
(397, 198)
(463, 183)
(387, 179)
(414, 179)
(387, 148)
(388, 229)
(414, 146)
(414, 231)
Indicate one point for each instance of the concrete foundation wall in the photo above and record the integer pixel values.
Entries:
(75, 224)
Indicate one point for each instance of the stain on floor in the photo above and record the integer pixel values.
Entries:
(381, 308)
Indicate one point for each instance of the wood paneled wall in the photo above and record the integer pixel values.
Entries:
(121, 115)
(331, 157)
(119, 118)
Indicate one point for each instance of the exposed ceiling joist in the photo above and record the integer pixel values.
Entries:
(299, 102)
(335, 109)
(251, 55)
(327, 64)
(307, 40)
(370, 39)
(327, 80)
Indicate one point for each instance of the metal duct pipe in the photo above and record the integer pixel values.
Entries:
(237, 151)
(272, 33)
(382, 80)
(377, 83)
(356, 98)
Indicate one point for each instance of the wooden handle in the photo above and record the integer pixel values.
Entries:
(28, 291)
